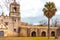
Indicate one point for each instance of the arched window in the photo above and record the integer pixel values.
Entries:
(43, 34)
(33, 34)
(14, 9)
(52, 33)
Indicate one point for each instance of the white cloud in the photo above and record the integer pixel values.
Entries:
(29, 8)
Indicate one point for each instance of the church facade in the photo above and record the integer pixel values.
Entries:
(12, 26)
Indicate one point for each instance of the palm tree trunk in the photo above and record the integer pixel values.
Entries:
(48, 28)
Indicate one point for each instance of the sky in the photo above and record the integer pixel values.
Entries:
(30, 10)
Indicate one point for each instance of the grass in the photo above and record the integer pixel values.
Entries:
(27, 38)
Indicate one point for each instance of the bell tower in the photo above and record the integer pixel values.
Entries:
(15, 14)
(14, 9)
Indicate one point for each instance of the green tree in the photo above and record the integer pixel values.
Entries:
(49, 11)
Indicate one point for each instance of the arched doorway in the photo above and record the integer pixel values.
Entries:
(1, 34)
(52, 33)
(33, 34)
(43, 34)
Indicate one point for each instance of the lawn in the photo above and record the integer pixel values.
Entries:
(27, 38)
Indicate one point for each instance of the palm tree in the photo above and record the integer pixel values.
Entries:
(49, 11)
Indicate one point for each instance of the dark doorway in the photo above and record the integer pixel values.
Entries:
(19, 29)
(33, 34)
(52, 33)
(43, 34)
(1, 34)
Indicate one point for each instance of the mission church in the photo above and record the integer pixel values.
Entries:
(12, 26)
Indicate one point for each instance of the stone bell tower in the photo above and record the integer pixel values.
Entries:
(15, 13)
(14, 10)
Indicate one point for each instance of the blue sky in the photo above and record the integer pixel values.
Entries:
(31, 10)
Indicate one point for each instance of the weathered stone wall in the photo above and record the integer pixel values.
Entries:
(27, 30)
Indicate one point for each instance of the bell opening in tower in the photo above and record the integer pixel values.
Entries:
(14, 9)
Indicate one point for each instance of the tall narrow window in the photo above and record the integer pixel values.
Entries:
(14, 9)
